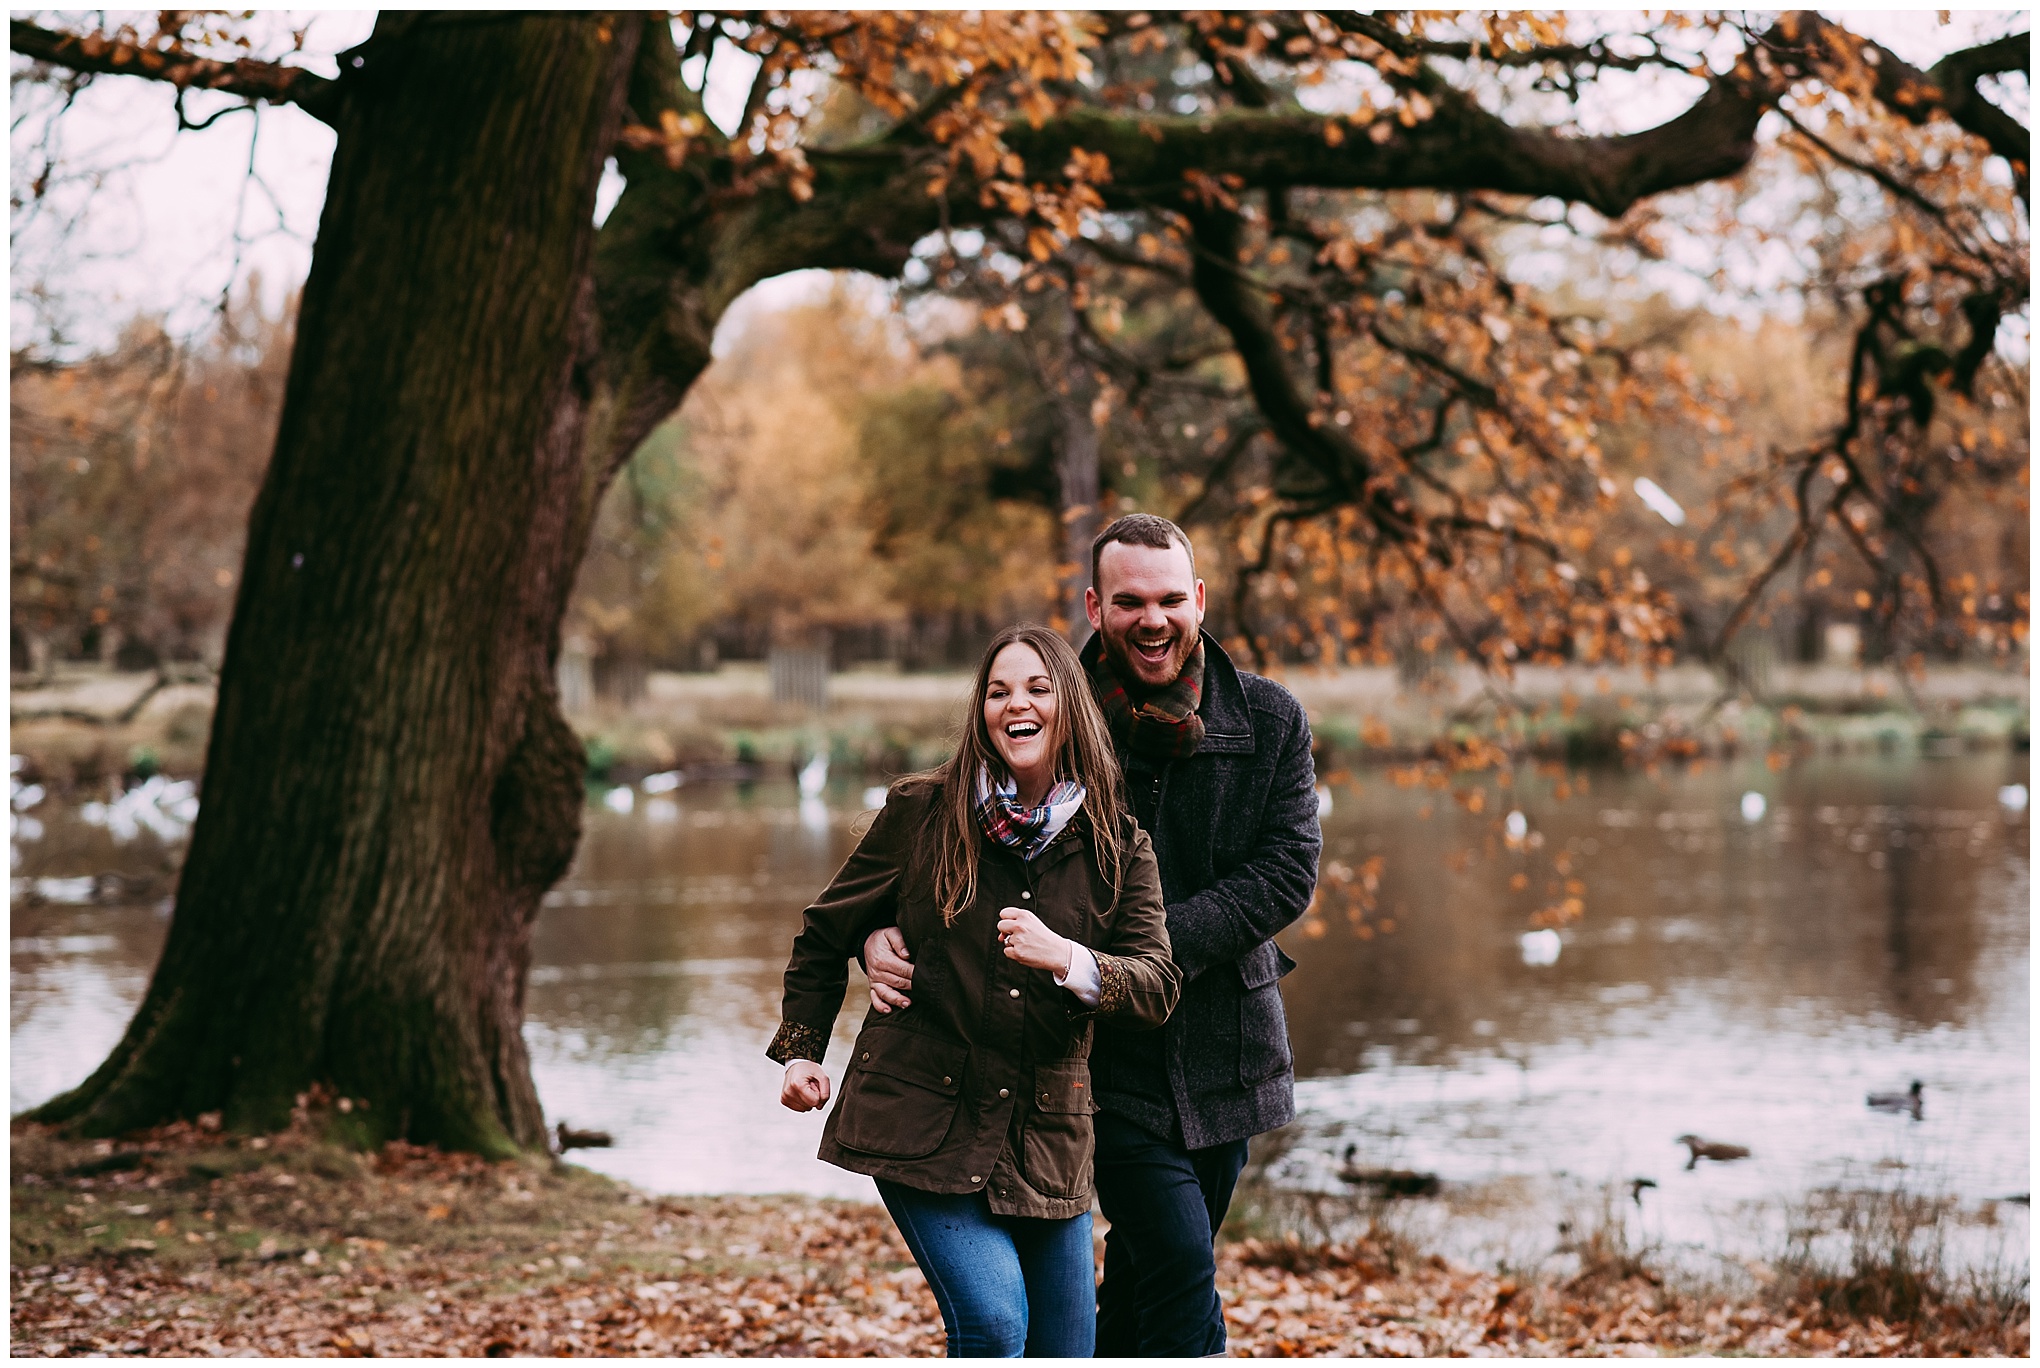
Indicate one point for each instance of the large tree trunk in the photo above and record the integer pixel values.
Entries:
(1073, 389)
(390, 787)
(1078, 490)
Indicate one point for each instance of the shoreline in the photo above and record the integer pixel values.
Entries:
(95, 726)
(188, 1241)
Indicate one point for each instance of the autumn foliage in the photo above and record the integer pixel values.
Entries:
(1385, 305)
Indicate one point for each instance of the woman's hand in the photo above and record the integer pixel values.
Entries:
(805, 1086)
(1031, 943)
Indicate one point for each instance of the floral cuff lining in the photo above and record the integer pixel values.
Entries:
(1115, 985)
(795, 1041)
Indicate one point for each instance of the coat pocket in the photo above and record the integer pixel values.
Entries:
(1264, 1030)
(901, 1094)
(1263, 965)
(1055, 1147)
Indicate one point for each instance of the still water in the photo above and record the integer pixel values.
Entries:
(1745, 979)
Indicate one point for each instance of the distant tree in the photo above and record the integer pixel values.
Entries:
(390, 787)
(806, 485)
(131, 478)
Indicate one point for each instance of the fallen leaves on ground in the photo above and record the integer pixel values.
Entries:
(188, 1242)
(1283, 1301)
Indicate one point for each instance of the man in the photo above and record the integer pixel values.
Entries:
(1218, 770)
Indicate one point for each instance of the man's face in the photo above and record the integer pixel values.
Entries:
(1146, 607)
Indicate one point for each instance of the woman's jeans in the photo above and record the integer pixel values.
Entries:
(1007, 1285)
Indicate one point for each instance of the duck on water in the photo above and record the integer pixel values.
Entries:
(1908, 1101)
(1716, 1150)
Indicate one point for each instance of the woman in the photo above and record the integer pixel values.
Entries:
(1030, 905)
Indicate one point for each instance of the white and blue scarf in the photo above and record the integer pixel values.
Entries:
(1027, 830)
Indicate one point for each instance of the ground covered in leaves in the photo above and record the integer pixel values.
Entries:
(189, 1242)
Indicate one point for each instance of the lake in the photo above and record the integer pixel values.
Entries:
(1745, 975)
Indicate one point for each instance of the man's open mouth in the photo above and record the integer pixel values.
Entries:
(1020, 731)
(1154, 652)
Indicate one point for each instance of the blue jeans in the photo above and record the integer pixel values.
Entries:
(1007, 1285)
(1166, 1203)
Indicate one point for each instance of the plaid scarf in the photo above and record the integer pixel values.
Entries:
(1028, 830)
(1161, 724)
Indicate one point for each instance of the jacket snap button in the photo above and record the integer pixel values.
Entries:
(1044, 1097)
(975, 1179)
(1026, 895)
(945, 1080)
(1013, 992)
(867, 1054)
(1004, 1093)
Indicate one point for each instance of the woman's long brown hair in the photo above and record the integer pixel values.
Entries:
(1083, 751)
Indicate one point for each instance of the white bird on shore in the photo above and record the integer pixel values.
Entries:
(1658, 501)
(814, 776)
(165, 808)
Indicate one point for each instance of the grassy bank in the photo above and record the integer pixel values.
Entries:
(189, 1242)
(90, 728)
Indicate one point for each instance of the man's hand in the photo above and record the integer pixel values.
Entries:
(805, 1086)
(886, 964)
(1031, 943)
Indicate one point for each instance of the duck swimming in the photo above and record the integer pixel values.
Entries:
(1710, 1149)
(1388, 1182)
(1907, 1101)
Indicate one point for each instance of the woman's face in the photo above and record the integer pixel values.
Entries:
(1020, 712)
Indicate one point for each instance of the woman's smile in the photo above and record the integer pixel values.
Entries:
(1020, 712)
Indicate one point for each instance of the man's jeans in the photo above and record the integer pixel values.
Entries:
(1165, 1203)
(1006, 1284)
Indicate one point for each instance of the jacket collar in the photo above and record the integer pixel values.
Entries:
(1228, 723)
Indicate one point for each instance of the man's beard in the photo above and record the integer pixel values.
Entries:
(1131, 668)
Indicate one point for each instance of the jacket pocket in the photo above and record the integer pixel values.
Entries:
(901, 1094)
(1055, 1147)
(1264, 1032)
(1264, 964)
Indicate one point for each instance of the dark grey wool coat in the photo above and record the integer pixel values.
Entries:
(1235, 832)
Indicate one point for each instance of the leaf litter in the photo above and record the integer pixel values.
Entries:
(189, 1242)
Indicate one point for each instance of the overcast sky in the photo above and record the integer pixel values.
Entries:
(148, 223)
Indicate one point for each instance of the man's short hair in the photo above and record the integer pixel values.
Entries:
(1141, 529)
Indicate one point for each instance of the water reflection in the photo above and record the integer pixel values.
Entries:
(1865, 891)
(1748, 980)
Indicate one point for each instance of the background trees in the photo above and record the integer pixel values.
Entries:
(1334, 280)
(131, 479)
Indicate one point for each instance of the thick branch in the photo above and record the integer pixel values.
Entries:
(1461, 147)
(100, 54)
(1948, 87)
(1242, 310)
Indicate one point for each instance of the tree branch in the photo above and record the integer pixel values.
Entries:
(1948, 87)
(253, 80)
(1595, 54)
(1242, 310)
(1461, 147)
(1235, 447)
